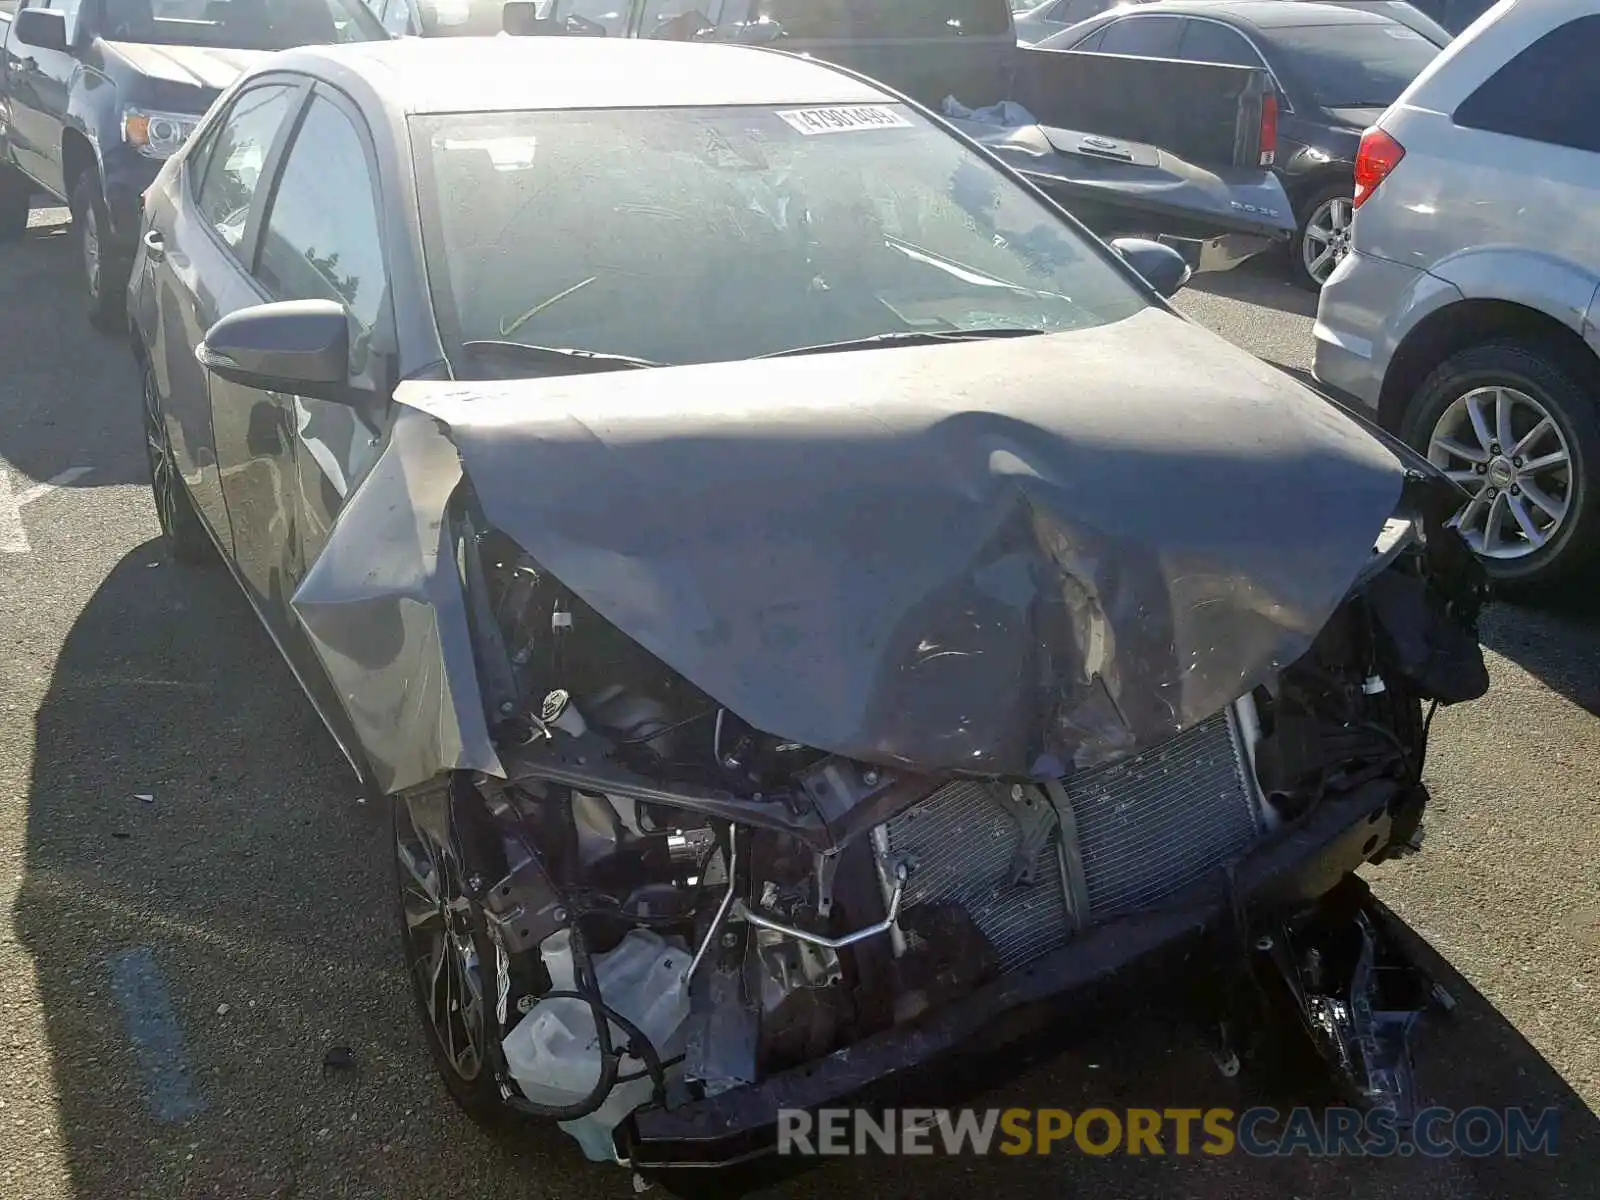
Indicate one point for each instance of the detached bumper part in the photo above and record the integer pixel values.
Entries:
(1281, 878)
(1358, 997)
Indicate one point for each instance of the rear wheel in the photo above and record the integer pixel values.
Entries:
(105, 269)
(181, 529)
(1322, 238)
(1517, 425)
(16, 195)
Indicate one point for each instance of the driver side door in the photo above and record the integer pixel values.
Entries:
(321, 239)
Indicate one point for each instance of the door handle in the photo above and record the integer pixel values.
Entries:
(155, 245)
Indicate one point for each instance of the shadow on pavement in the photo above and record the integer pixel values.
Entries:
(208, 908)
(1558, 643)
(1263, 281)
(60, 359)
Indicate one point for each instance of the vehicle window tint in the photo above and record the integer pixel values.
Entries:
(321, 238)
(702, 235)
(1548, 93)
(1070, 12)
(234, 169)
(240, 24)
(1207, 41)
(196, 157)
(1144, 37)
(1088, 45)
(1351, 66)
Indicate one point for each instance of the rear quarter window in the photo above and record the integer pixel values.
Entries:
(1548, 93)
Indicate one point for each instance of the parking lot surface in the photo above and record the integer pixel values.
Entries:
(195, 909)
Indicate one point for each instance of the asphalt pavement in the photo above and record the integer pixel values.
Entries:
(195, 908)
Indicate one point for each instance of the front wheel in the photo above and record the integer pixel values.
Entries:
(448, 962)
(1517, 426)
(1322, 238)
(105, 268)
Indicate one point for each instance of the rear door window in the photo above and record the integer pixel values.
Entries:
(1212, 42)
(238, 156)
(1143, 37)
(1548, 93)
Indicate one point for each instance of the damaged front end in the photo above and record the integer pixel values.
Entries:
(687, 921)
(730, 821)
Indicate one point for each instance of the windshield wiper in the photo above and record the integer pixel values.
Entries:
(591, 360)
(907, 337)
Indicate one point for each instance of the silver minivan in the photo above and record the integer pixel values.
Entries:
(1465, 312)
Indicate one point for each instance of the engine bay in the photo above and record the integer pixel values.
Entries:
(676, 904)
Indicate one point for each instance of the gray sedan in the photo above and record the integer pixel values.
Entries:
(813, 606)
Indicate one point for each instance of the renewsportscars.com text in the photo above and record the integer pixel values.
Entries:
(1258, 1132)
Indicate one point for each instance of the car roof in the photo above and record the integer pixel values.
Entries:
(1259, 14)
(504, 74)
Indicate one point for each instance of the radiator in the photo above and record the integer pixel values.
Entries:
(1144, 828)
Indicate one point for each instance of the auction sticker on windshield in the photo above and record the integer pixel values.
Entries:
(843, 120)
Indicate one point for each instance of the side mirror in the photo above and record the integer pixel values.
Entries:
(41, 28)
(297, 346)
(1163, 267)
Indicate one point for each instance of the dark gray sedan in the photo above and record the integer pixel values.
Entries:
(814, 607)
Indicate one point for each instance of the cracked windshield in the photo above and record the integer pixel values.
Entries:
(687, 235)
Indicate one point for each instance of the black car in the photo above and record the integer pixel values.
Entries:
(1038, 21)
(99, 94)
(1336, 68)
(816, 612)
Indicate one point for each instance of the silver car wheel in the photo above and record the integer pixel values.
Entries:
(1506, 449)
(439, 945)
(1327, 237)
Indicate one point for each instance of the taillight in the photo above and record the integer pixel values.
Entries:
(1269, 129)
(1379, 154)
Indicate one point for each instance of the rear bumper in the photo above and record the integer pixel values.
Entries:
(1005, 1027)
(1357, 312)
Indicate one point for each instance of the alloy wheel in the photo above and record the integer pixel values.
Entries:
(1327, 237)
(440, 951)
(163, 471)
(91, 249)
(1511, 456)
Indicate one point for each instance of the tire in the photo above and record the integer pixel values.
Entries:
(1330, 207)
(419, 823)
(1555, 382)
(105, 268)
(16, 197)
(181, 529)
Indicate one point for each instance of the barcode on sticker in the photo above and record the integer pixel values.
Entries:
(847, 119)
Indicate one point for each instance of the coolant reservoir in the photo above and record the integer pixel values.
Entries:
(554, 1051)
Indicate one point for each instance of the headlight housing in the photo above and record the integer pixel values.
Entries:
(156, 134)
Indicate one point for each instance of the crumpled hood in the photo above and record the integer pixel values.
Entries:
(1009, 558)
(209, 70)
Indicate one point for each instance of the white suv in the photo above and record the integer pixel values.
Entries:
(1466, 313)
